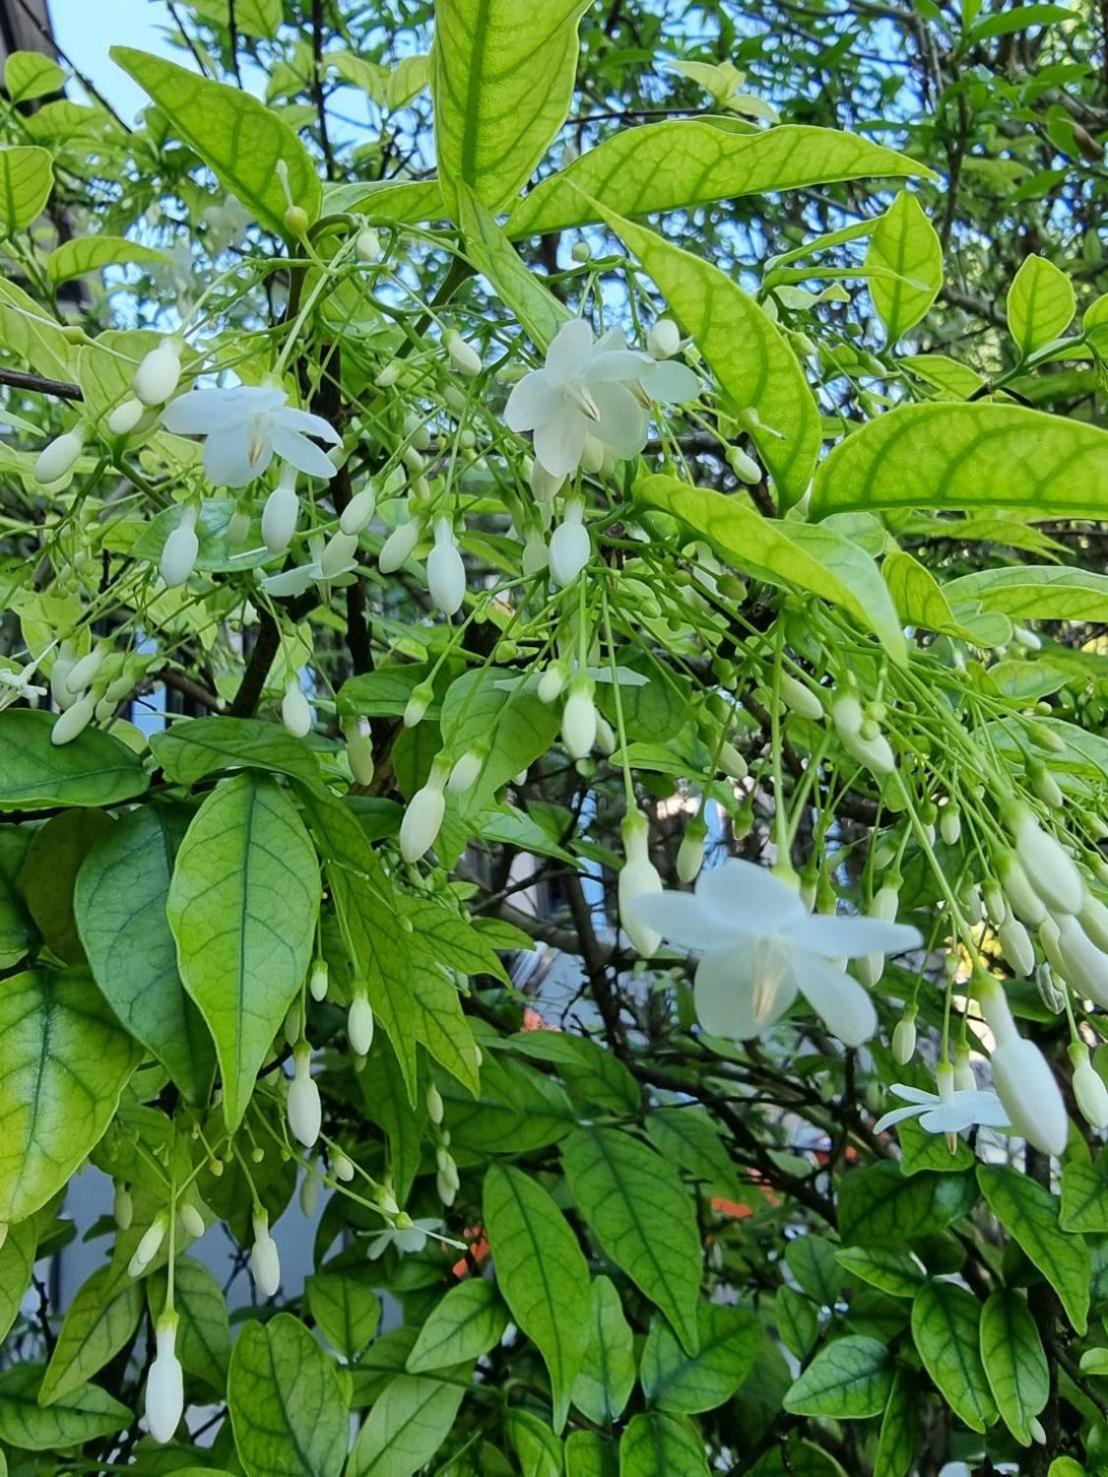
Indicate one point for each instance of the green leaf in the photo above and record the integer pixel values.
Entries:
(535, 1444)
(880, 1206)
(66, 1062)
(791, 554)
(204, 1330)
(898, 1441)
(215, 554)
(966, 456)
(410, 1420)
(690, 1138)
(101, 1320)
(1005, 22)
(236, 136)
(849, 1379)
(242, 905)
(752, 360)
(16, 929)
(607, 1377)
(1031, 1214)
(657, 1445)
(906, 246)
(1040, 304)
(94, 253)
(502, 78)
(120, 903)
(252, 17)
(813, 1262)
(195, 748)
(1036, 592)
(587, 1454)
(669, 166)
(49, 873)
(287, 1410)
(89, 1412)
(345, 1307)
(466, 1323)
(30, 74)
(730, 1341)
(17, 1262)
(28, 334)
(1016, 1367)
(1084, 1198)
(542, 1273)
(643, 1217)
(511, 721)
(26, 179)
(519, 288)
(797, 1321)
(894, 1272)
(589, 1070)
(387, 1104)
(945, 1328)
(94, 770)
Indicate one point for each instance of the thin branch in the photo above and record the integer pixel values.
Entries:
(60, 389)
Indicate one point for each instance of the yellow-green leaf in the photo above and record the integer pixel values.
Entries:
(668, 166)
(502, 74)
(751, 358)
(25, 1424)
(906, 245)
(26, 179)
(494, 256)
(66, 1062)
(30, 74)
(1040, 304)
(818, 560)
(93, 253)
(100, 1320)
(1042, 592)
(968, 456)
(397, 202)
(240, 139)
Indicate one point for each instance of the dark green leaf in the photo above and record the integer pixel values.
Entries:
(410, 1420)
(1032, 1215)
(880, 1206)
(94, 770)
(194, 749)
(730, 1341)
(849, 1379)
(286, 1407)
(100, 1320)
(1015, 1364)
(946, 1330)
(607, 1376)
(468, 1322)
(658, 1445)
(87, 1413)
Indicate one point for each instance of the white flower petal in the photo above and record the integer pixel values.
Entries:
(685, 920)
(671, 382)
(301, 453)
(532, 402)
(750, 899)
(292, 581)
(724, 996)
(852, 938)
(845, 1007)
(914, 1094)
(951, 1117)
(569, 351)
(617, 364)
(560, 441)
(986, 1107)
(227, 459)
(623, 422)
(895, 1116)
(612, 338)
(308, 424)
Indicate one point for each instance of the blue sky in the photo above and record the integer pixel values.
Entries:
(85, 32)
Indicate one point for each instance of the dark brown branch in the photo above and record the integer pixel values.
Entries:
(60, 389)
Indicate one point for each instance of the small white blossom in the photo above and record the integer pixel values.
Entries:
(950, 1110)
(265, 1262)
(165, 1384)
(405, 1235)
(760, 949)
(570, 548)
(246, 427)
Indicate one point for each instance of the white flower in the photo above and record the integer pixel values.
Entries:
(446, 574)
(330, 561)
(19, 685)
(405, 1235)
(582, 389)
(760, 949)
(265, 1262)
(950, 1110)
(156, 377)
(570, 548)
(304, 1107)
(165, 1384)
(246, 427)
(296, 712)
(359, 1022)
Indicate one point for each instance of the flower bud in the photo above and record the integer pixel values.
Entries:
(1057, 880)
(800, 698)
(570, 547)
(296, 712)
(1089, 1090)
(964, 1079)
(367, 244)
(84, 671)
(552, 682)
(165, 1384)
(580, 251)
(191, 1219)
(181, 549)
(638, 879)
(690, 854)
(731, 762)
(359, 749)
(125, 417)
(544, 484)
(318, 981)
(435, 1107)
(970, 898)
(123, 1207)
(417, 705)
(1082, 963)
(280, 514)
(466, 772)
(74, 720)
(309, 1193)
(664, 339)
(446, 574)
(464, 357)
(1094, 920)
(1016, 946)
(149, 1245)
(950, 824)
(359, 1022)
(359, 510)
(423, 818)
(1051, 992)
(56, 458)
(579, 718)
(745, 468)
(1019, 890)
(904, 1038)
(446, 1187)
(847, 716)
(1046, 786)
(343, 1168)
(397, 548)
(338, 554)
(1022, 1077)
(265, 1262)
(157, 376)
(305, 1112)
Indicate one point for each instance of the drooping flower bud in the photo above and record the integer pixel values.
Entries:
(1089, 1089)
(238, 529)
(181, 549)
(1056, 879)
(157, 376)
(123, 1207)
(904, 1037)
(570, 547)
(1094, 920)
(280, 514)
(435, 1106)
(466, 771)
(265, 1262)
(416, 707)
(309, 1193)
(318, 981)
(59, 455)
(464, 357)
(593, 455)
(165, 1384)
(731, 762)
(552, 682)
(579, 718)
(125, 417)
(343, 1167)
(1016, 946)
(397, 548)
(446, 573)
(847, 715)
(296, 712)
(1083, 964)
(1046, 786)
(950, 824)
(535, 556)
(367, 244)
(964, 1079)
(1051, 992)
(800, 698)
(544, 484)
(84, 671)
(305, 1112)
(745, 468)
(74, 720)
(338, 554)
(359, 510)
(359, 749)
(664, 339)
(423, 818)
(638, 878)
(149, 1245)
(191, 1219)
(359, 1022)
(690, 854)
(1022, 1077)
